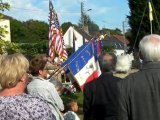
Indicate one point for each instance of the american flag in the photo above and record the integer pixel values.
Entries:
(56, 42)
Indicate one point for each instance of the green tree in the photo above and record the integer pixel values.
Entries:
(92, 26)
(128, 34)
(137, 10)
(6, 46)
(34, 48)
(118, 31)
(70, 51)
(18, 31)
(9, 48)
(12, 48)
(66, 25)
(31, 31)
(37, 30)
(110, 31)
(108, 49)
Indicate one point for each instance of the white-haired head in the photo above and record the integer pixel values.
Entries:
(124, 63)
(150, 48)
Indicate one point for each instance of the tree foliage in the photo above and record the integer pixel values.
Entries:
(110, 31)
(18, 31)
(34, 48)
(108, 49)
(92, 26)
(37, 30)
(7, 47)
(136, 18)
(66, 25)
(31, 36)
(3, 6)
(31, 31)
(70, 51)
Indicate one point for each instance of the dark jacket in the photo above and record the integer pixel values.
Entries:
(140, 94)
(101, 98)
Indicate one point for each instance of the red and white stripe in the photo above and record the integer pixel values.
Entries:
(56, 43)
(87, 75)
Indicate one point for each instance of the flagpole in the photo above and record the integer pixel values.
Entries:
(73, 40)
(151, 26)
(50, 15)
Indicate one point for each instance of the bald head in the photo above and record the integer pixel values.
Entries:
(150, 48)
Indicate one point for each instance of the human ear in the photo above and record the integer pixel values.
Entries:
(23, 78)
(40, 72)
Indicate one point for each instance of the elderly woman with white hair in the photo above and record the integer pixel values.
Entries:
(123, 65)
(15, 104)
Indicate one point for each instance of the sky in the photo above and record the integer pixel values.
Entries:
(105, 13)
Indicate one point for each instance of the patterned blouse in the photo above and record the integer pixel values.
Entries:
(24, 107)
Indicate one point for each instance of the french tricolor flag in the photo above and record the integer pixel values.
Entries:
(97, 51)
(82, 64)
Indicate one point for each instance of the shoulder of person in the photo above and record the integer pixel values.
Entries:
(117, 78)
(36, 98)
(106, 77)
(47, 84)
(70, 115)
(132, 75)
(129, 80)
(37, 80)
(121, 75)
(90, 84)
(36, 102)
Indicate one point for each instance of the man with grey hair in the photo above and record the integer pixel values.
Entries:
(140, 91)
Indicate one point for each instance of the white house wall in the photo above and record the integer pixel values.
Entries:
(68, 38)
(78, 41)
(119, 52)
(6, 25)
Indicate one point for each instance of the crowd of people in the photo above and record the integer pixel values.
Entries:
(27, 94)
(129, 97)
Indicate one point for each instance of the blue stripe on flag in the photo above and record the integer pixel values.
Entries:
(79, 58)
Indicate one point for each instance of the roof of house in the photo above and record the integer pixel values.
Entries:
(7, 17)
(121, 38)
(113, 41)
(84, 34)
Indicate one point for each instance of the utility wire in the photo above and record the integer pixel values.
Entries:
(62, 12)
(139, 27)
